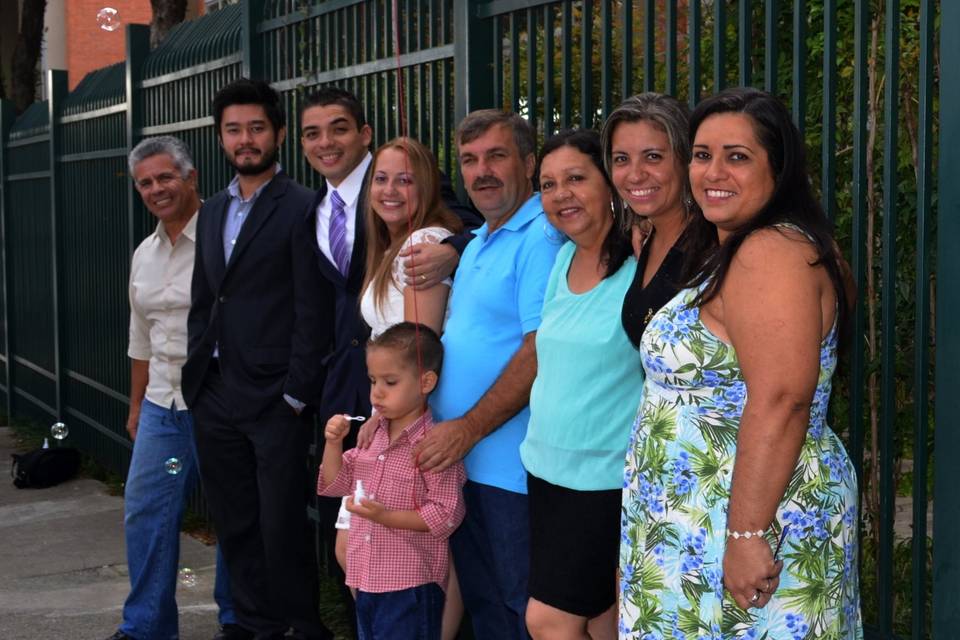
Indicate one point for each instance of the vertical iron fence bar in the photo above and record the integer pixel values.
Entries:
(799, 65)
(56, 82)
(390, 78)
(921, 331)
(649, 46)
(626, 55)
(586, 65)
(606, 58)
(719, 45)
(449, 115)
(744, 28)
(566, 65)
(888, 309)
(422, 131)
(250, 40)
(858, 231)
(7, 117)
(671, 35)
(436, 140)
(770, 48)
(946, 502)
(532, 67)
(137, 49)
(693, 44)
(828, 146)
(548, 79)
(497, 62)
(514, 63)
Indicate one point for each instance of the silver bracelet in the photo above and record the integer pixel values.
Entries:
(736, 535)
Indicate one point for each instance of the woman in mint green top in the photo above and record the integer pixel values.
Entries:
(583, 400)
(587, 378)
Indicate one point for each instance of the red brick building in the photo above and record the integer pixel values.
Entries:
(73, 37)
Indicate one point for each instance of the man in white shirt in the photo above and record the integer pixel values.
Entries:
(163, 470)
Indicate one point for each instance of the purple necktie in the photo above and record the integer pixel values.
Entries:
(338, 234)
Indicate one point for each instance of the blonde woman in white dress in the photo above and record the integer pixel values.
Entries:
(404, 208)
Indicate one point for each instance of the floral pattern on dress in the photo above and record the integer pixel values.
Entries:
(677, 488)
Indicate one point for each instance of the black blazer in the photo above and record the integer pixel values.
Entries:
(348, 387)
(267, 310)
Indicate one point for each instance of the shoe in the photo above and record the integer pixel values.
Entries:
(233, 632)
(120, 635)
(293, 634)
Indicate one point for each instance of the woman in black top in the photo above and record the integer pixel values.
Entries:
(646, 149)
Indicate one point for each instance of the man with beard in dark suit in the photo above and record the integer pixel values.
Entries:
(259, 326)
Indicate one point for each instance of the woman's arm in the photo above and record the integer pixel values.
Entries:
(424, 305)
(772, 313)
(428, 306)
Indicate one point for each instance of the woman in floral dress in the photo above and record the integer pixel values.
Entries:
(731, 453)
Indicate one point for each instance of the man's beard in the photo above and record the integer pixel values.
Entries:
(267, 161)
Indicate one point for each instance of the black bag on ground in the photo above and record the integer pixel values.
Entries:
(44, 467)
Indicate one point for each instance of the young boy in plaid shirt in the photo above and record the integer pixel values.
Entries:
(397, 556)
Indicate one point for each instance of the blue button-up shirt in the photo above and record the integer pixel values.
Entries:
(237, 212)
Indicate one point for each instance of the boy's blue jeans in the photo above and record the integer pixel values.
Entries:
(154, 501)
(411, 614)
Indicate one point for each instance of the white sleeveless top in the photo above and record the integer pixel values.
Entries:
(391, 312)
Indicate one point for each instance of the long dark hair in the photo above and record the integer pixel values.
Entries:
(792, 201)
(616, 246)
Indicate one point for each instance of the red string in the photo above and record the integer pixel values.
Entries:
(404, 131)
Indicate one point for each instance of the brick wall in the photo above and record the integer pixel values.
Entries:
(89, 47)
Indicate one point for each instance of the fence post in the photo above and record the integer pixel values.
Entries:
(472, 59)
(946, 503)
(250, 17)
(56, 84)
(138, 46)
(7, 117)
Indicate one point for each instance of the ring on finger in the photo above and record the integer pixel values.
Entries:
(755, 598)
(423, 277)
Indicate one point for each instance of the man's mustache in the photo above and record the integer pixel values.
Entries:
(486, 181)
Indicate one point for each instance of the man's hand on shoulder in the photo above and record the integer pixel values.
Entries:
(427, 264)
(446, 443)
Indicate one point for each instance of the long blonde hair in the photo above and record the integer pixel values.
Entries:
(430, 212)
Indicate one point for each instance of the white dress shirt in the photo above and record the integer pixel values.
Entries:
(160, 276)
(349, 190)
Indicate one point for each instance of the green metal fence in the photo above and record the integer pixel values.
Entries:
(862, 79)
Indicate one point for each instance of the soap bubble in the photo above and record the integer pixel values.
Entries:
(59, 430)
(187, 577)
(108, 19)
(173, 466)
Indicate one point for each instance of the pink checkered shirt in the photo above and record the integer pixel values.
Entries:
(379, 558)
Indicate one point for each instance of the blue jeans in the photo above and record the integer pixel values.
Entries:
(154, 501)
(411, 614)
(491, 550)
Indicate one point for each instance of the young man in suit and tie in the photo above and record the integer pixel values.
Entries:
(336, 142)
(259, 326)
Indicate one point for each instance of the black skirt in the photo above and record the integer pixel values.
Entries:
(574, 547)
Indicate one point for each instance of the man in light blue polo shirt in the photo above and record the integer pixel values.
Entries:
(489, 366)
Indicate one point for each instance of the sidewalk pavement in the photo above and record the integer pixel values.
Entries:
(64, 566)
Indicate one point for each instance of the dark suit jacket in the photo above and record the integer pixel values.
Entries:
(348, 387)
(267, 310)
